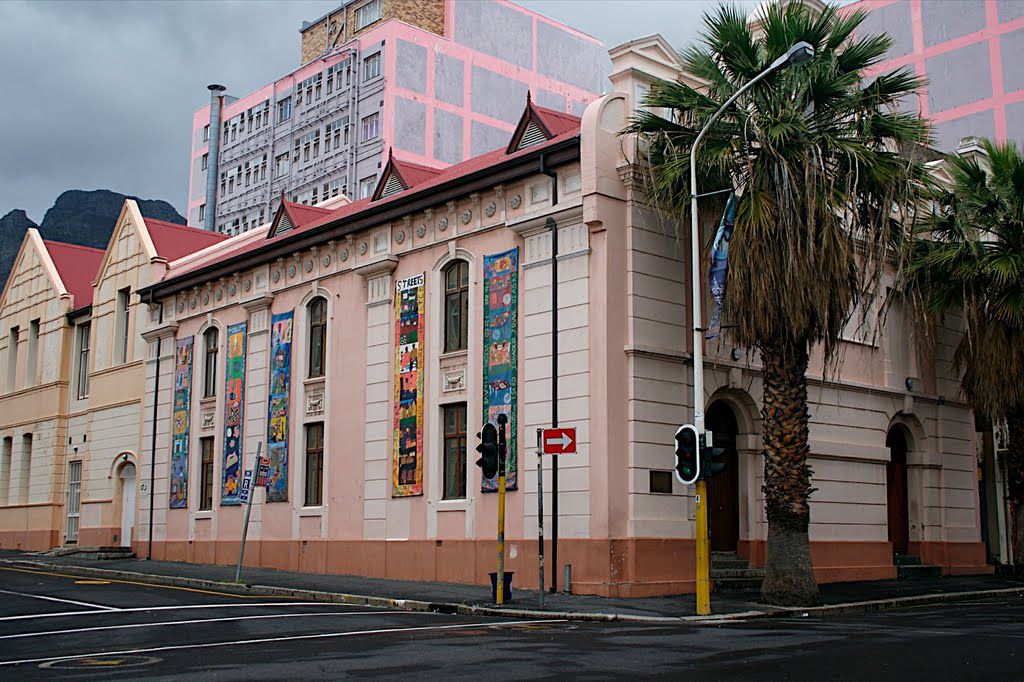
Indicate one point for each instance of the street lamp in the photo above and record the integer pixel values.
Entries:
(799, 53)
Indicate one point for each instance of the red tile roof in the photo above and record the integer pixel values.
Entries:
(174, 241)
(569, 126)
(77, 267)
(557, 122)
(413, 174)
(301, 214)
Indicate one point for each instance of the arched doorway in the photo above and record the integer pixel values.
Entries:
(723, 489)
(127, 476)
(896, 489)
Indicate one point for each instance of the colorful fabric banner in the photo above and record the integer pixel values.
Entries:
(501, 353)
(407, 478)
(277, 417)
(234, 413)
(720, 263)
(180, 421)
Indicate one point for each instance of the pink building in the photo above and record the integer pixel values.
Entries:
(364, 344)
(970, 51)
(435, 80)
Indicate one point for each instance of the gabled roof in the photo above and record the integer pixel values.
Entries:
(173, 241)
(399, 176)
(539, 124)
(291, 215)
(77, 267)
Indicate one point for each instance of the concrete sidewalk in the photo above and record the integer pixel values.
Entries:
(455, 598)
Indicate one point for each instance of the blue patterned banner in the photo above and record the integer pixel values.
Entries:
(234, 413)
(180, 422)
(501, 353)
(277, 417)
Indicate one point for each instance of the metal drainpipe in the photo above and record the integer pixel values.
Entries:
(152, 442)
(554, 368)
(353, 119)
(213, 165)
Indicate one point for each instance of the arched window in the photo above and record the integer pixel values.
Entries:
(456, 306)
(317, 310)
(211, 340)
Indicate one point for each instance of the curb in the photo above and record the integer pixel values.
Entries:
(476, 610)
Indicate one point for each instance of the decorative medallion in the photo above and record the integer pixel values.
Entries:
(206, 298)
(344, 255)
(362, 249)
(193, 304)
(467, 215)
(442, 224)
(232, 290)
(421, 230)
(248, 285)
(325, 261)
(276, 276)
(291, 271)
(515, 201)
(491, 208)
(220, 294)
(309, 265)
(181, 306)
(400, 237)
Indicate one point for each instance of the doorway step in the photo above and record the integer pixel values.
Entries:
(909, 566)
(96, 553)
(729, 573)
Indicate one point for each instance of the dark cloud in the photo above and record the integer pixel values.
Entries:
(101, 94)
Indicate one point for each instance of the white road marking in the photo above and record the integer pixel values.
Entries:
(66, 614)
(271, 640)
(63, 601)
(167, 623)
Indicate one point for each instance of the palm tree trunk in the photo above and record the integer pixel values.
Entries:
(1015, 482)
(788, 579)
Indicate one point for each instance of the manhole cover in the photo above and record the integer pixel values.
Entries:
(93, 662)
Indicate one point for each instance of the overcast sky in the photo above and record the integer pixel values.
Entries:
(101, 94)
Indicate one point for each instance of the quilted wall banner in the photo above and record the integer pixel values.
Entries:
(234, 413)
(180, 421)
(277, 417)
(501, 353)
(407, 477)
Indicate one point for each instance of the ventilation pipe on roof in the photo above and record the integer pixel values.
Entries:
(213, 165)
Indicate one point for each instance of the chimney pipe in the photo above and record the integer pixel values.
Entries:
(213, 166)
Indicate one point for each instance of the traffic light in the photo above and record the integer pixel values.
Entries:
(712, 459)
(687, 454)
(488, 449)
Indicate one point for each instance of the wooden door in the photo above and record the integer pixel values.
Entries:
(896, 493)
(723, 489)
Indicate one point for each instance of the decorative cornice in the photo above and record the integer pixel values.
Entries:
(165, 330)
(261, 302)
(383, 266)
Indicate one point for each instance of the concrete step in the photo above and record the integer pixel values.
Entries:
(737, 573)
(729, 563)
(736, 584)
(906, 560)
(910, 572)
(98, 553)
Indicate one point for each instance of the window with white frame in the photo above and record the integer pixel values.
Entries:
(82, 379)
(371, 66)
(366, 186)
(206, 133)
(454, 475)
(211, 344)
(281, 165)
(206, 162)
(124, 309)
(367, 14)
(12, 358)
(314, 483)
(317, 335)
(371, 127)
(284, 109)
(202, 212)
(206, 474)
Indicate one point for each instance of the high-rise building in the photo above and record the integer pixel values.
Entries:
(437, 81)
(967, 49)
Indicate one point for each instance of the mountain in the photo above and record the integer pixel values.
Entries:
(78, 217)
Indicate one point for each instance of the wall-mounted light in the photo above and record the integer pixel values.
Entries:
(912, 383)
(736, 354)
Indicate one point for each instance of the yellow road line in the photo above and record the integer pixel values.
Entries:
(132, 582)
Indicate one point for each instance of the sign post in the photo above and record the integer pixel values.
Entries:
(247, 495)
(540, 517)
(502, 448)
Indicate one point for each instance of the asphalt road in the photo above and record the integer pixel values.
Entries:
(54, 624)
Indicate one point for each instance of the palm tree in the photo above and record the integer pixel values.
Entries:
(817, 156)
(971, 260)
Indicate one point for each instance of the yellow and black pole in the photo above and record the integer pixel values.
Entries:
(703, 556)
(502, 448)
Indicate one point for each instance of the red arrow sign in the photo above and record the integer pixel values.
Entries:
(558, 441)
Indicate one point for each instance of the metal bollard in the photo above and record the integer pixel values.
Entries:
(567, 579)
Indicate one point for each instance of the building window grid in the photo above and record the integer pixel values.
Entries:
(454, 417)
(206, 474)
(317, 311)
(456, 306)
(84, 332)
(314, 473)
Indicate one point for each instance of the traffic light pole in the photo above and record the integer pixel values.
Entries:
(502, 447)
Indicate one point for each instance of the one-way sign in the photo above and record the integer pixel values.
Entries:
(559, 441)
